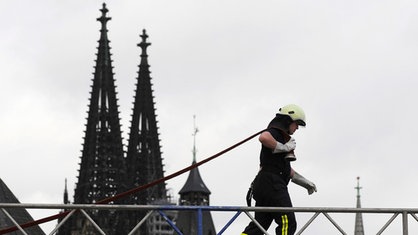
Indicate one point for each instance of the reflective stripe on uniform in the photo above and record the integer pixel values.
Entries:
(285, 225)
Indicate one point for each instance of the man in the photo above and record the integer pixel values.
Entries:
(270, 184)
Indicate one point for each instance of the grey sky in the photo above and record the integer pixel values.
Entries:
(352, 65)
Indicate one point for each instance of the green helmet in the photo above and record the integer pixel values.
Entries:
(295, 113)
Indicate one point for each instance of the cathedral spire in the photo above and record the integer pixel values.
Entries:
(144, 45)
(144, 160)
(102, 167)
(144, 151)
(358, 228)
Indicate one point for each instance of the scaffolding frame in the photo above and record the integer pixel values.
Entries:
(72, 208)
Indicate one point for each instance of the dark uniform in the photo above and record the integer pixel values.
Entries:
(270, 190)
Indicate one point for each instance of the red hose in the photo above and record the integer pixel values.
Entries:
(132, 191)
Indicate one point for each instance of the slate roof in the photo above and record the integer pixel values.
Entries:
(20, 215)
(194, 183)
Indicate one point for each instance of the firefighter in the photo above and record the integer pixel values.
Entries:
(269, 188)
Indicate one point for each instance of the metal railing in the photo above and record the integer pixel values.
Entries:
(395, 212)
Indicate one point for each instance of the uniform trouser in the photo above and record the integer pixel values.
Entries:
(270, 190)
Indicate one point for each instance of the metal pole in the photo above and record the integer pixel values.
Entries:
(141, 222)
(170, 222)
(92, 222)
(405, 222)
(62, 222)
(14, 221)
(199, 222)
(387, 224)
(200, 209)
(415, 217)
(308, 223)
(229, 223)
(334, 223)
(256, 223)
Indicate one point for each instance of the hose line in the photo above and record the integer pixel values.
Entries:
(134, 190)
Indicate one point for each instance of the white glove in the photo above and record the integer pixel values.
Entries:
(285, 148)
(300, 180)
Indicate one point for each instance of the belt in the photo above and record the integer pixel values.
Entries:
(271, 169)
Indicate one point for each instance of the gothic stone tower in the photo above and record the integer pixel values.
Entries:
(143, 158)
(102, 170)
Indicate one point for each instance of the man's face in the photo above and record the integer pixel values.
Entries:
(293, 127)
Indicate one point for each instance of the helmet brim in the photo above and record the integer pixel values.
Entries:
(300, 122)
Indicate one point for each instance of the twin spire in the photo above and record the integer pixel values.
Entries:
(106, 169)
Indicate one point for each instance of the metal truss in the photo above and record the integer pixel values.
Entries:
(395, 212)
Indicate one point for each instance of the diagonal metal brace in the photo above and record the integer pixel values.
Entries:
(334, 223)
(308, 223)
(62, 222)
(170, 222)
(387, 224)
(256, 222)
(92, 222)
(141, 222)
(14, 221)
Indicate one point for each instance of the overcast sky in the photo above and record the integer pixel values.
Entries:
(352, 66)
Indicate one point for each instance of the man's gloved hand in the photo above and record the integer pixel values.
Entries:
(285, 148)
(302, 181)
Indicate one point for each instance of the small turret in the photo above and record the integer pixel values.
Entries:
(66, 193)
(194, 192)
(358, 228)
